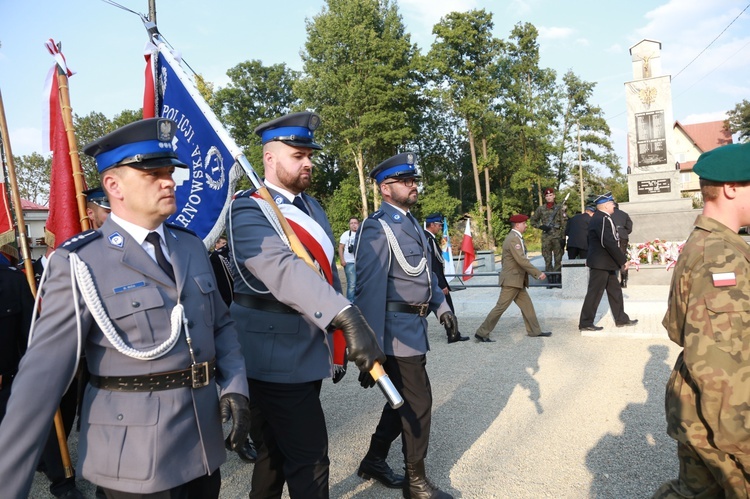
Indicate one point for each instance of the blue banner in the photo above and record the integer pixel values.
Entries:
(202, 190)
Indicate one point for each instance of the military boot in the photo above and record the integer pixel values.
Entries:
(374, 466)
(418, 486)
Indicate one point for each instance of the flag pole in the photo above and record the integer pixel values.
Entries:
(16, 199)
(75, 160)
(59, 427)
(377, 372)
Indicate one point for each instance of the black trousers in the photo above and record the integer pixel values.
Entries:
(413, 419)
(294, 446)
(450, 302)
(599, 281)
(624, 248)
(575, 253)
(204, 487)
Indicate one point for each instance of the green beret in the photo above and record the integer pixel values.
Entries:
(730, 163)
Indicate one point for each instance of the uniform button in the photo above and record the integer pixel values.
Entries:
(136, 304)
(190, 323)
(270, 328)
(197, 352)
(318, 315)
(119, 417)
(183, 297)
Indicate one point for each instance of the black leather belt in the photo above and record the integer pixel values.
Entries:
(405, 308)
(196, 376)
(256, 303)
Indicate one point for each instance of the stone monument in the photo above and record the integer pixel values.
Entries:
(656, 205)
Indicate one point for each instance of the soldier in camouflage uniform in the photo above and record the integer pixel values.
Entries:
(550, 218)
(709, 316)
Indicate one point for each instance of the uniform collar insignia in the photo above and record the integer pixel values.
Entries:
(397, 217)
(279, 199)
(116, 239)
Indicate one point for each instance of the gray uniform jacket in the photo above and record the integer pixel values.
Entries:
(138, 442)
(281, 347)
(380, 279)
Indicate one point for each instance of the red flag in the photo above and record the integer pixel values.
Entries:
(63, 221)
(7, 234)
(149, 92)
(467, 247)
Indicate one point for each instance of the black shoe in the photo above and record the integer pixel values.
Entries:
(247, 452)
(457, 338)
(543, 334)
(590, 328)
(482, 339)
(631, 322)
(374, 466)
(73, 493)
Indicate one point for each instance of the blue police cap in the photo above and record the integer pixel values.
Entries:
(399, 166)
(98, 197)
(434, 217)
(294, 129)
(142, 144)
(607, 196)
(729, 163)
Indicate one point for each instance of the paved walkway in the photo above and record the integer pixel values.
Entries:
(569, 416)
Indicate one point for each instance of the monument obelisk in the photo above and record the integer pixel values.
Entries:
(656, 205)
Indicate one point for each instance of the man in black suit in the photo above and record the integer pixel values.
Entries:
(604, 260)
(577, 231)
(433, 227)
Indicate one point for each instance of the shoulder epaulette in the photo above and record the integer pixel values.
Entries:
(714, 250)
(377, 214)
(80, 240)
(180, 227)
(244, 194)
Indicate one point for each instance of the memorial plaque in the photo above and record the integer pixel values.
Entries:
(654, 186)
(651, 138)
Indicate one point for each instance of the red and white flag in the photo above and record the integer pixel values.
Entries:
(63, 221)
(467, 247)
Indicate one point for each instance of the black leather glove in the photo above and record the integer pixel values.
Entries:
(237, 407)
(366, 380)
(360, 339)
(545, 228)
(450, 322)
(338, 373)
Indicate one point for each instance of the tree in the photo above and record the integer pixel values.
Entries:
(32, 174)
(361, 77)
(463, 60)
(255, 94)
(739, 120)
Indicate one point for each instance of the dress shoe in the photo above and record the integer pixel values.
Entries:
(482, 339)
(631, 322)
(590, 328)
(457, 337)
(543, 334)
(73, 493)
(374, 466)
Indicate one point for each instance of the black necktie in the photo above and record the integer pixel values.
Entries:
(300, 204)
(155, 240)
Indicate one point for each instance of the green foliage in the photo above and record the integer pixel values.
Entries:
(343, 204)
(739, 120)
(32, 175)
(435, 198)
(255, 94)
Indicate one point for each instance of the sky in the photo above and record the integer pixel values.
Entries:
(704, 49)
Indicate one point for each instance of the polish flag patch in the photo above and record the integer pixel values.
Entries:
(724, 279)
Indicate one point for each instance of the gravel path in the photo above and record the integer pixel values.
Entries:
(569, 416)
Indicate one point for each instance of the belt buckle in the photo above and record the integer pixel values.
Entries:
(200, 374)
(423, 309)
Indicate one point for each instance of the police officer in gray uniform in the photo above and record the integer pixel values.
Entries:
(140, 298)
(286, 311)
(396, 289)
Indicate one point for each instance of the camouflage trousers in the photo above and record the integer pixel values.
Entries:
(708, 474)
(552, 246)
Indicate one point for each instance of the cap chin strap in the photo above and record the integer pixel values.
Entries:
(80, 274)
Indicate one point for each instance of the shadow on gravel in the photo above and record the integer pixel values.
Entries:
(643, 453)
